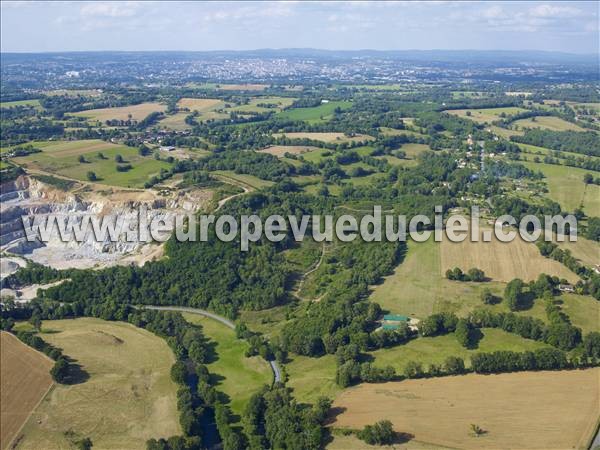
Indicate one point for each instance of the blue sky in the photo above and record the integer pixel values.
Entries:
(60, 26)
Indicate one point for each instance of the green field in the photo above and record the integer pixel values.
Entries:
(565, 186)
(547, 123)
(417, 287)
(239, 376)
(583, 311)
(315, 114)
(61, 158)
(311, 378)
(34, 102)
(528, 149)
(434, 350)
(252, 105)
(486, 115)
(128, 398)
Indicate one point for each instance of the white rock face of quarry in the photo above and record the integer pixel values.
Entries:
(29, 197)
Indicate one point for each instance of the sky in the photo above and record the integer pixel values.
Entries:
(422, 25)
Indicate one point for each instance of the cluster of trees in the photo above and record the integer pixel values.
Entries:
(586, 143)
(499, 168)
(509, 361)
(350, 370)
(380, 433)
(588, 178)
(591, 285)
(273, 419)
(262, 165)
(473, 274)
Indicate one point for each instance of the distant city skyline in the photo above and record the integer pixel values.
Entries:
(196, 26)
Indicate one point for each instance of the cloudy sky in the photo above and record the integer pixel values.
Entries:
(59, 26)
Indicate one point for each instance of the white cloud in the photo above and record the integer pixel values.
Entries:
(109, 9)
(554, 12)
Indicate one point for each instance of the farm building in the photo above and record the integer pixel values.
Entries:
(566, 288)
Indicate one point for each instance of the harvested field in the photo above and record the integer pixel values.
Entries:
(535, 410)
(24, 380)
(327, 137)
(128, 398)
(200, 104)
(501, 261)
(138, 112)
(281, 150)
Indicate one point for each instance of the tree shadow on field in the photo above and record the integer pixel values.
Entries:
(76, 374)
(333, 413)
(402, 438)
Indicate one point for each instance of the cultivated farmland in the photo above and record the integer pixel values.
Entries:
(128, 398)
(501, 261)
(137, 112)
(200, 104)
(24, 380)
(540, 410)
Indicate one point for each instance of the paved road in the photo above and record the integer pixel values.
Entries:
(228, 323)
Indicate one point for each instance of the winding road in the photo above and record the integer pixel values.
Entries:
(228, 323)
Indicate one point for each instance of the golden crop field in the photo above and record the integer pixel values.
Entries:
(501, 261)
(128, 398)
(137, 112)
(24, 380)
(535, 410)
(200, 104)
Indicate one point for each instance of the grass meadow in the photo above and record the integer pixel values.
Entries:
(128, 398)
(238, 376)
(62, 158)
